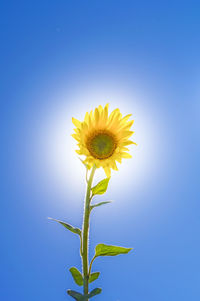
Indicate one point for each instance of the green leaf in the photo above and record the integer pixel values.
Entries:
(107, 250)
(67, 226)
(77, 296)
(78, 278)
(99, 204)
(94, 276)
(94, 292)
(101, 187)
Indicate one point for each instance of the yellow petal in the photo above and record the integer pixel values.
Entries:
(106, 111)
(107, 171)
(126, 155)
(86, 117)
(126, 126)
(100, 108)
(77, 130)
(118, 159)
(127, 142)
(90, 119)
(76, 122)
(84, 126)
(104, 117)
(77, 137)
(113, 113)
(114, 166)
(84, 151)
(126, 134)
(123, 148)
(96, 116)
(125, 118)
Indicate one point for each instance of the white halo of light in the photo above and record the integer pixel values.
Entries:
(59, 146)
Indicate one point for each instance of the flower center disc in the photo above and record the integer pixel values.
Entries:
(101, 145)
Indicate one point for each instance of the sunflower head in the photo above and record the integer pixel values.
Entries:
(103, 138)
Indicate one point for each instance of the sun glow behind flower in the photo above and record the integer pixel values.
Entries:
(62, 164)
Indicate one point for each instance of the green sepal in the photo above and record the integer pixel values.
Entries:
(108, 250)
(94, 292)
(94, 276)
(101, 187)
(99, 204)
(87, 166)
(77, 296)
(77, 276)
(67, 226)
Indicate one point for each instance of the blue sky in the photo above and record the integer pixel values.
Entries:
(58, 60)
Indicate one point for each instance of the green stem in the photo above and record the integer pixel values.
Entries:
(85, 232)
(90, 268)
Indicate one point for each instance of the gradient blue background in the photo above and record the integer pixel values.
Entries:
(58, 57)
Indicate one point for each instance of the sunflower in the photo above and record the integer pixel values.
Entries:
(103, 138)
